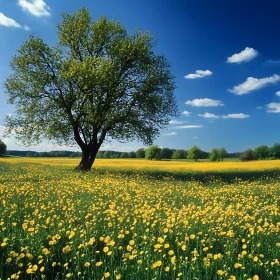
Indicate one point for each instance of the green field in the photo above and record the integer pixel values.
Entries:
(137, 223)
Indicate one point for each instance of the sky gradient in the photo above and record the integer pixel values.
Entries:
(224, 55)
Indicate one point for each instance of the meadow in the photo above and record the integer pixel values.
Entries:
(139, 219)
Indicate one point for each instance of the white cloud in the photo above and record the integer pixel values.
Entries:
(244, 56)
(175, 122)
(277, 93)
(25, 27)
(209, 116)
(252, 84)
(186, 113)
(235, 116)
(37, 8)
(199, 74)
(8, 22)
(273, 107)
(204, 102)
(187, 126)
(170, 134)
(259, 107)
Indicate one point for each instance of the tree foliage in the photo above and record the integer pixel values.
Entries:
(3, 148)
(140, 153)
(275, 151)
(179, 154)
(98, 82)
(247, 155)
(166, 153)
(222, 154)
(194, 153)
(153, 152)
(214, 155)
(261, 152)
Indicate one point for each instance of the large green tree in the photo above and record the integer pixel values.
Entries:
(98, 82)
(261, 152)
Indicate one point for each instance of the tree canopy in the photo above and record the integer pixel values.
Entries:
(194, 153)
(153, 152)
(97, 82)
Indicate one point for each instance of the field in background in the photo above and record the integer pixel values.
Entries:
(138, 219)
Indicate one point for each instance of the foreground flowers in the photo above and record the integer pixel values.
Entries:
(56, 223)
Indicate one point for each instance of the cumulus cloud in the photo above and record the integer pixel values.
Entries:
(187, 126)
(8, 22)
(252, 84)
(209, 116)
(235, 116)
(175, 122)
(204, 102)
(199, 74)
(186, 113)
(244, 56)
(273, 107)
(170, 134)
(277, 93)
(37, 8)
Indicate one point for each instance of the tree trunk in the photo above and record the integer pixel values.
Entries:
(88, 158)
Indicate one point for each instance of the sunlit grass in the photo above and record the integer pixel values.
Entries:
(59, 224)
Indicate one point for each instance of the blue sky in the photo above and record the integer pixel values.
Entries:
(225, 56)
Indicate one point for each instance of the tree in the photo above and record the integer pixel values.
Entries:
(275, 151)
(222, 153)
(261, 152)
(132, 154)
(214, 155)
(194, 153)
(166, 153)
(107, 154)
(153, 152)
(247, 155)
(140, 153)
(124, 155)
(3, 148)
(98, 82)
(179, 154)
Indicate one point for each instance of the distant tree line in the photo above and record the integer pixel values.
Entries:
(157, 153)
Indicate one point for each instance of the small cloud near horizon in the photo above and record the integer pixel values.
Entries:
(170, 134)
(273, 107)
(186, 113)
(187, 126)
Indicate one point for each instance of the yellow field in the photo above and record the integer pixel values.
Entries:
(159, 165)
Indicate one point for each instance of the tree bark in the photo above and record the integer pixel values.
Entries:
(88, 158)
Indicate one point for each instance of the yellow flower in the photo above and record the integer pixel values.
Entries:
(29, 270)
(131, 242)
(255, 259)
(192, 236)
(68, 275)
(107, 274)
(256, 277)
(35, 267)
(45, 251)
(156, 264)
(105, 249)
(87, 264)
(220, 272)
(118, 277)
(232, 277)
(167, 269)
(98, 263)
(42, 269)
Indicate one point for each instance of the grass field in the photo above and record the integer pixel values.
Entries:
(130, 219)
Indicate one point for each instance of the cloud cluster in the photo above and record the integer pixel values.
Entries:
(204, 102)
(199, 74)
(228, 116)
(273, 107)
(244, 56)
(252, 84)
(186, 113)
(37, 8)
(175, 122)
